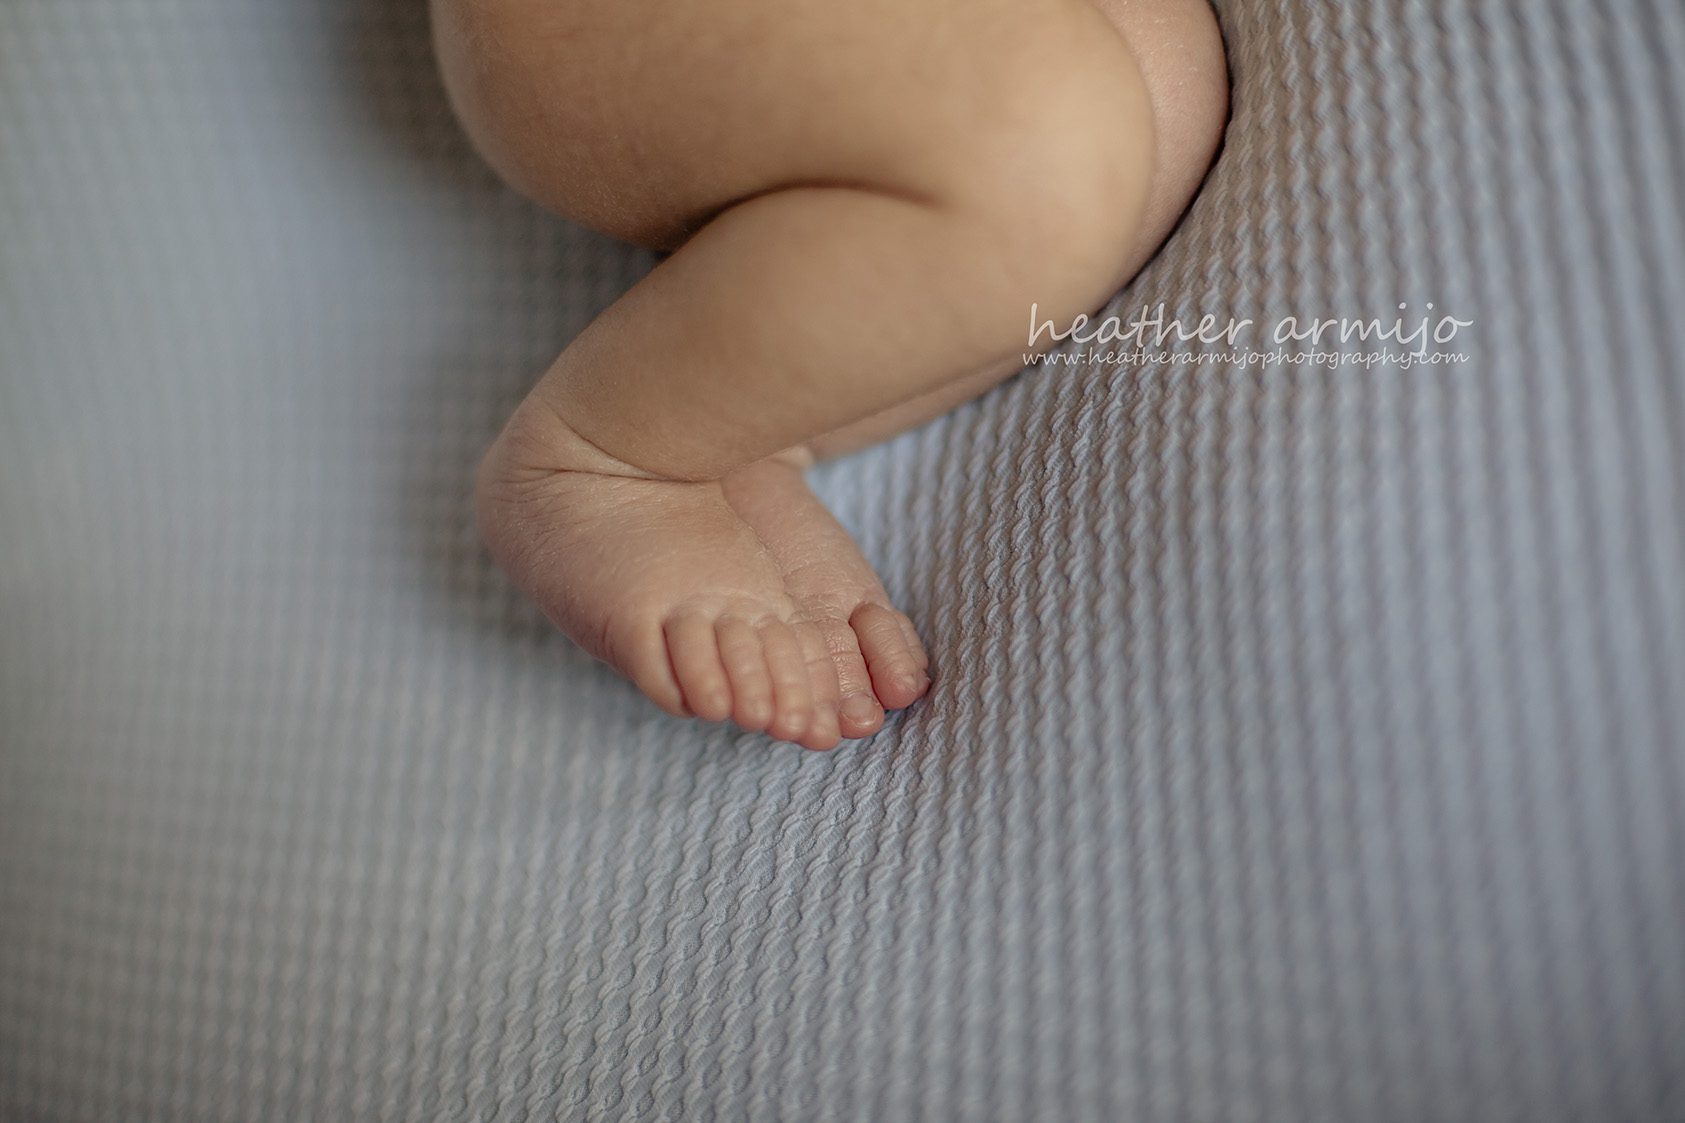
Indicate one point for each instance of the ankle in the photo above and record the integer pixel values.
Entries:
(537, 442)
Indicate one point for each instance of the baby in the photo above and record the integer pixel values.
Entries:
(863, 200)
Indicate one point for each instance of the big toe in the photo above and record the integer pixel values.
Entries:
(858, 711)
(894, 656)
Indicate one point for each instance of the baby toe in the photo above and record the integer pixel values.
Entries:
(816, 656)
(823, 735)
(822, 676)
(792, 688)
(745, 665)
(897, 676)
(695, 657)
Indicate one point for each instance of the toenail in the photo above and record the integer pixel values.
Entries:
(913, 680)
(862, 709)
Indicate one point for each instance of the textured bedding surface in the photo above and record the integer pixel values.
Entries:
(1308, 741)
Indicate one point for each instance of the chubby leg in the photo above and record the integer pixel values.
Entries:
(855, 273)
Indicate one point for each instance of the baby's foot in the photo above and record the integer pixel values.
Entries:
(664, 581)
(880, 662)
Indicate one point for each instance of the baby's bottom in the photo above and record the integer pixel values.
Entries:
(866, 200)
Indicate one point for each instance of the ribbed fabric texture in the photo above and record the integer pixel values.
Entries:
(1307, 743)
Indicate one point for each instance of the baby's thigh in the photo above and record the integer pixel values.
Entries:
(643, 118)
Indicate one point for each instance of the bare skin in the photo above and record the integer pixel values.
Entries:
(863, 201)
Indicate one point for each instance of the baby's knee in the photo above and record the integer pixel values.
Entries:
(1179, 48)
(1057, 177)
(1085, 158)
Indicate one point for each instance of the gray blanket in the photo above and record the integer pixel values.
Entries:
(1307, 743)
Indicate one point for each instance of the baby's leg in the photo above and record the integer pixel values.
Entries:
(926, 172)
